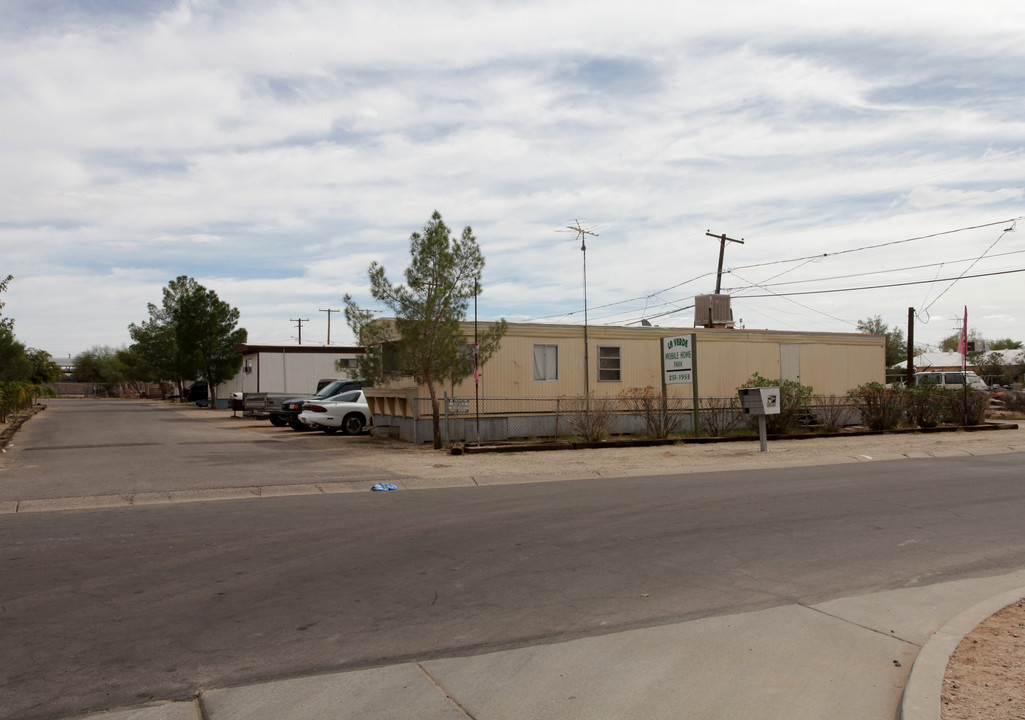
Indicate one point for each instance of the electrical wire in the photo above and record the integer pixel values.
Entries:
(874, 247)
(890, 285)
(939, 266)
(999, 238)
(804, 260)
(806, 307)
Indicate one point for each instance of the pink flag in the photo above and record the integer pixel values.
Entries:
(962, 342)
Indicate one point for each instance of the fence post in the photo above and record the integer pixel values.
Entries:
(416, 419)
(445, 395)
(556, 418)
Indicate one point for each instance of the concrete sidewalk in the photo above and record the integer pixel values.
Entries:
(843, 659)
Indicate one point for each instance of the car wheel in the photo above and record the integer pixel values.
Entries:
(330, 430)
(278, 421)
(352, 424)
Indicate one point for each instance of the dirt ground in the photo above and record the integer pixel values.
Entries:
(985, 678)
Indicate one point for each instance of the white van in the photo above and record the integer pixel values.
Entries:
(951, 380)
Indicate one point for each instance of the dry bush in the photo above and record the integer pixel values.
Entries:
(834, 412)
(591, 418)
(662, 416)
(720, 416)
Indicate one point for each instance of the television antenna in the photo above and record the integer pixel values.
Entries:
(582, 234)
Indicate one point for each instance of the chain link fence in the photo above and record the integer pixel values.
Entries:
(490, 419)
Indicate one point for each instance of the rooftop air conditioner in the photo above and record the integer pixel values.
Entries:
(713, 311)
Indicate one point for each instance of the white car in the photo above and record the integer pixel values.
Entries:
(347, 412)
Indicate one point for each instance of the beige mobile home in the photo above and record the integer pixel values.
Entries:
(538, 363)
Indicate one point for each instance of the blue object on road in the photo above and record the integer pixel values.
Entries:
(384, 486)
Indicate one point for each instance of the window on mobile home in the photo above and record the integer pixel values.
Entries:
(608, 364)
(546, 362)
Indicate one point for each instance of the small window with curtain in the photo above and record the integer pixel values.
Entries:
(546, 362)
(608, 364)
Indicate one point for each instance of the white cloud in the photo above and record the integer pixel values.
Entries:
(272, 150)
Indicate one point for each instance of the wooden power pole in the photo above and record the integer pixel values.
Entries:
(722, 251)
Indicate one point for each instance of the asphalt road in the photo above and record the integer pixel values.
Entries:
(104, 608)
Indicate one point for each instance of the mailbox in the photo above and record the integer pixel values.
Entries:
(759, 400)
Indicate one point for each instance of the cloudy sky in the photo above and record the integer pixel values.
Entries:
(872, 159)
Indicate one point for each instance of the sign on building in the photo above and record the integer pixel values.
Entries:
(678, 359)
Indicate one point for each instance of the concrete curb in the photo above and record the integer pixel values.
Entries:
(513, 446)
(921, 697)
(93, 502)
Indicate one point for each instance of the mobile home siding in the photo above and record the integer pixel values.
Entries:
(831, 363)
(285, 368)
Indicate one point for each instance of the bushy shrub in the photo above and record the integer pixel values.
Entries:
(795, 404)
(968, 408)
(16, 396)
(881, 408)
(926, 405)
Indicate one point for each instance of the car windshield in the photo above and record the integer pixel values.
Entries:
(329, 391)
(348, 397)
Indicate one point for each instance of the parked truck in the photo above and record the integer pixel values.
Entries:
(267, 405)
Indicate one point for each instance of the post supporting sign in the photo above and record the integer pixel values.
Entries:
(679, 365)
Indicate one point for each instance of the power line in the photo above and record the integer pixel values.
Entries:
(783, 295)
(805, 260)
(999, 238)
(874, 247)
(891, 285)
(873, 272)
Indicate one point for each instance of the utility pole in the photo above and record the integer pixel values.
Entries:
(328, 323)
(909, 378)
(722, 251)
(299, 322)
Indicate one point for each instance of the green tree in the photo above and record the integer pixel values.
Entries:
(154, 353)
(15, 364)
(44, 368)
(205, 333)
(1005, 344)
(424, 340)
(950, 343)
(998, 368)
(896, 346)
(192, 335)
(5, 323)
(99, 364)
